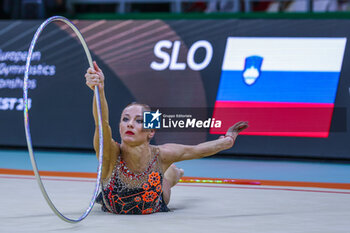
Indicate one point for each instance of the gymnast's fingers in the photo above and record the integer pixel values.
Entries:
(87, 76)
(238, 127)
(99, 71)
(92, 83)
(92, 77)
(235, 129)
(95, 77)
(91, 71)
(96, 67)
(242, 126)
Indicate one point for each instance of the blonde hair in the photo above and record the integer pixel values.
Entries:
(145, 107)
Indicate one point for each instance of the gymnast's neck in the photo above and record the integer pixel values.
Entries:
(136, 156)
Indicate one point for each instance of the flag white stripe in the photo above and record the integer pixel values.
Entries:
(286, 54)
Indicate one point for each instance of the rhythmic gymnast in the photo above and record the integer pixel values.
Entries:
(137, 177)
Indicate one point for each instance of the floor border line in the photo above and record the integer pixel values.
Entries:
(201, 180)
(190, 185)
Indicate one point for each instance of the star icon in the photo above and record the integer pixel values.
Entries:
(156, 115)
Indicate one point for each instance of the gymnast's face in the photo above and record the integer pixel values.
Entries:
(131, 126)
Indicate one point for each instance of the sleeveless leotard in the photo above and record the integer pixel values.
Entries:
(130, 193)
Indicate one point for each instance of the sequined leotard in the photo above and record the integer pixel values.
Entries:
(130, 193)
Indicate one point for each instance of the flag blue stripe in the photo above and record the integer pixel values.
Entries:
(280, 86)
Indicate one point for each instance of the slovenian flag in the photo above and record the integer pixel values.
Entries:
(282, 86)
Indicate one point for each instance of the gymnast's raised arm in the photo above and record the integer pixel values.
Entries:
(171, 153)
(110, 148)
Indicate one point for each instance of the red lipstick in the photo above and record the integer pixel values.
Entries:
(129, 133)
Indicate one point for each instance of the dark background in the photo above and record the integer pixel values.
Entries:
(61, 116)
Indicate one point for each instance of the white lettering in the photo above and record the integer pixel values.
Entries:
(16, 56)
(11, 103)
(162, 55)
(181, 124)
(206, 124)
(164, 124)
(6, 70)
(16, 83)
(208, 56)
(174, 56)
(199, 124)
(217, 124)
(174, 123)
(171, 60)
(168, 116)
(191, 123)
(148, 126)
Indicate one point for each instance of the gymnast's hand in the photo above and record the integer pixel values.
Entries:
(235, 129)
(94, 76)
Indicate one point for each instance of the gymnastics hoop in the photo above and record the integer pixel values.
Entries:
(26, 119)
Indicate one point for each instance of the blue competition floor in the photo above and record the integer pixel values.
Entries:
(207, 167)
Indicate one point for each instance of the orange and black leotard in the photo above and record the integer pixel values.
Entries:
(130, 193)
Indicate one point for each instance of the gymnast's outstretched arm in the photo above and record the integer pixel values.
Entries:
(110, 148)
(171, 152)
